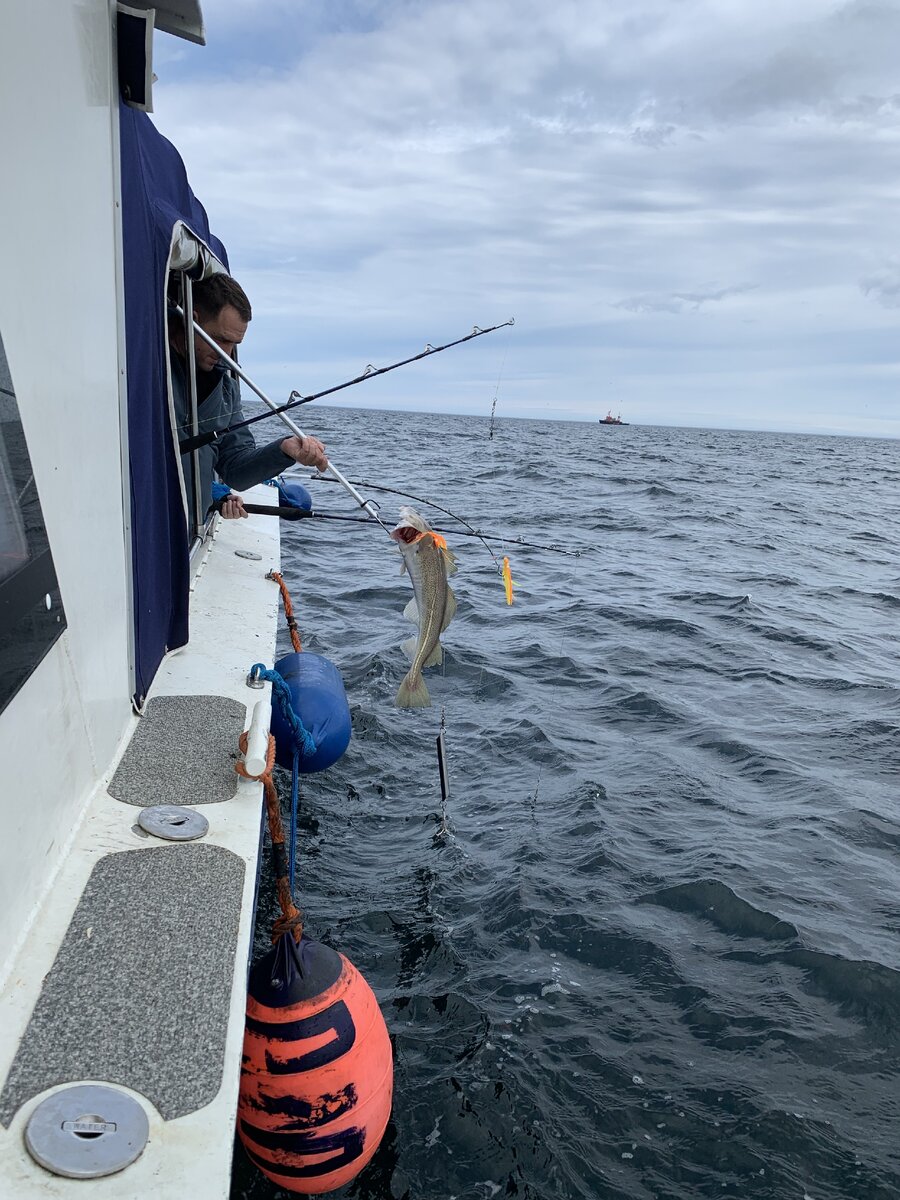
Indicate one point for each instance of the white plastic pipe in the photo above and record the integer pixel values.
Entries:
(258, 738)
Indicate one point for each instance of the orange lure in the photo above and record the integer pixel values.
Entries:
(507, 580)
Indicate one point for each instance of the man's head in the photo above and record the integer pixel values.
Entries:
(222, 310)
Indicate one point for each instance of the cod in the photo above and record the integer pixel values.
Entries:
(429, 562)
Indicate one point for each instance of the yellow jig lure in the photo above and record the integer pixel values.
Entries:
(507, 580)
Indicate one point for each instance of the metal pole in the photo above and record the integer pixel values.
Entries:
(367, 505)
(192, 400)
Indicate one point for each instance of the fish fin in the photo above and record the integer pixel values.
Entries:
(409, 648)
(413, 693)
(435, 658)
(449, 609)
(411, 612)
(450, 560)
(402, 566)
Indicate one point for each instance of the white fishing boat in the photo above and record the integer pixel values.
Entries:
(128, 844)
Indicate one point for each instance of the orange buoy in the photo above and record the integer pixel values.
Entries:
(317, 1072)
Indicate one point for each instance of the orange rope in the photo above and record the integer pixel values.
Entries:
(288, 610)
(291, 919)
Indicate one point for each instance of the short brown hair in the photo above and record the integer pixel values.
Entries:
(210, 296)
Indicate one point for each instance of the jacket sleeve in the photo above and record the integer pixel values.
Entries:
(239, 461)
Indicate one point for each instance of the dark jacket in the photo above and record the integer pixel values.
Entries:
(235, 457)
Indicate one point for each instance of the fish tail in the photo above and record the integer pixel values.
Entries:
(413, 693)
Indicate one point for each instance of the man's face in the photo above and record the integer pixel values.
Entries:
(227, 330)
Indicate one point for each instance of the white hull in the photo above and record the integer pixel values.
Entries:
(234, 613)
(67, 728)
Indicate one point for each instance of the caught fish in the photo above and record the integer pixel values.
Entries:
(429, 562)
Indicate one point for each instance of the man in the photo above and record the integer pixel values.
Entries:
(222, 310)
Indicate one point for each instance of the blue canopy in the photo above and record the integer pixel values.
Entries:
(155, 197)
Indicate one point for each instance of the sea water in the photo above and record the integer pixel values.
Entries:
(649, 947)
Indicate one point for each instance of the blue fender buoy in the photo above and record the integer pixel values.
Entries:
(319, 700)
(294, 495)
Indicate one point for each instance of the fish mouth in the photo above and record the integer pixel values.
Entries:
(410, 527)
(405, 533)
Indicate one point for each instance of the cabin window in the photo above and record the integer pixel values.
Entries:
(31, 609)
(134, 55)
(184, 384)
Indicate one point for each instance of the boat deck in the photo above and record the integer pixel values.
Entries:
(133, 969)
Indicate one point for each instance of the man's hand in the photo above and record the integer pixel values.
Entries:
(233, 507)
(308, 451)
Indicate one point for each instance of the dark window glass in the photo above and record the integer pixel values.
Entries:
(31, 609)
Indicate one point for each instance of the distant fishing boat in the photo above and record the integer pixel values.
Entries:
(609, 419)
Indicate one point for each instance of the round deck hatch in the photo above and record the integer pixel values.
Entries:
(87, 1131)
(173, 822)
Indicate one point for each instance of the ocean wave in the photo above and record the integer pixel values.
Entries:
(713, 901)
(646, 946)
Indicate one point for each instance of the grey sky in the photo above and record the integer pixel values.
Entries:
(689, 206)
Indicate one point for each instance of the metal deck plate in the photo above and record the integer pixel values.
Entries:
(173, 822)
(87, 1131)
(140, 990)
(183, 752)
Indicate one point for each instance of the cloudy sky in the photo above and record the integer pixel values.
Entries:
(690, 207)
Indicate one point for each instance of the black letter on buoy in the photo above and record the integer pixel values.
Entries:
(350, 1142)
(336, 1017)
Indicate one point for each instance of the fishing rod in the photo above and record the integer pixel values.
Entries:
(205, 439)
(289, 513)
(472, 531)
(420, 500)
(497, 537)
(295, 399)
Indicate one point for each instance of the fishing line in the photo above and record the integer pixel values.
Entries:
(302, 514)
(472, 531)
(395, 491)
(497, 389)
(28, 484)
(561, 653)
(534, 796)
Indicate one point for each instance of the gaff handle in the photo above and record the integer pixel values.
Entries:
(194, 443)
(286, 512)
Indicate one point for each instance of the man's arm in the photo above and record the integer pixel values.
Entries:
(241, 463)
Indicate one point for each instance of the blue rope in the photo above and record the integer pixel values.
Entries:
(304, 744)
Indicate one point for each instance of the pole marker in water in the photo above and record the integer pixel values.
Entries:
(445, 778)
(442, 763)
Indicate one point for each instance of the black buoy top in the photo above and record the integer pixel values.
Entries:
(290, 972)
